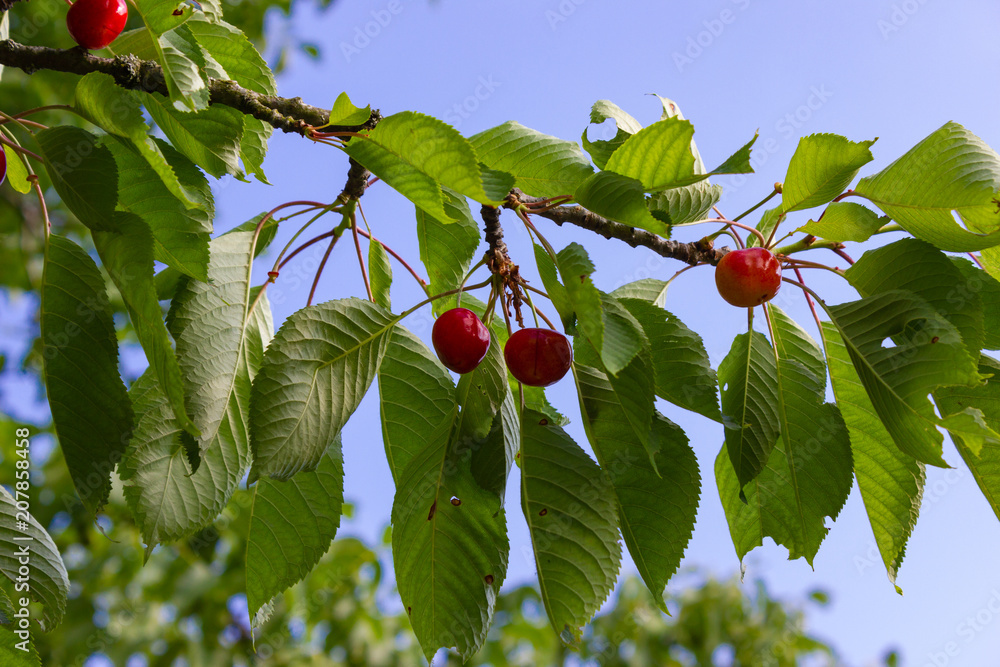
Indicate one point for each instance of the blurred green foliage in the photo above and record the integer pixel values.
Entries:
(177, 609)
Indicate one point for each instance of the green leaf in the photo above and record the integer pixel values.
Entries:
(210, 323)
(231, 49)
(845, 221)
(979, 282)
(210, 138)
(481, 393)
(180, 235)
(291, 526)
(162, 15)
(646, 289)
(985, 465)
(951, 172)
(555, 289)
(450, 549)
(118, 111)
(17, 174)
(683, 372)
(619, 198)
(127, 255)
(821, 168)
(918, 267)
(609, 328)
(749, 380)
(416, 154)
(657, 499)
(632, 393)
(601, 151)
(928, 353)
(921, 269)
(90, 407)
(167, 498)
(48, 583)
(314, 375)
(379, 273)
(542, 165)
(253, 147)
(770, 220)
(809, 475)
(83, 173)
(447, 245)
(345, 113)
(660, 157)
(569, 505)
(417, 395)
(183, 61)
(680, 206)
(891, 482)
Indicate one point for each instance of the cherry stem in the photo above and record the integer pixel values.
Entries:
(256, 236)
(844, 195)
(770, 330)
(807, 290)
(531, 228)
(50, 107)
(20, 121)
(526, 286)
(537, 311)
(24, 151)
(416, 276)
(361, 259)
(976, 260)
(844, 255)
(776, 191)
(280, 261)
(686, 268)
(733, 223)
(469, 275)
(444, 294)
(372, 181)
(801, 263)
(41, 201)
(319, 271)
(812, 306)
(305, 245)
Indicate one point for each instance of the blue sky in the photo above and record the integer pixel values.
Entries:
(893, 70)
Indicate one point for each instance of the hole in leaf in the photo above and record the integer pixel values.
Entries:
(888, 344)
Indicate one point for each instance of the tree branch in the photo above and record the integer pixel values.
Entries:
(689, 253)
(131, 73)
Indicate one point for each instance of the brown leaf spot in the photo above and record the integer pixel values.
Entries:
(430, 515)
(178, 12)
(935, 339)
(543, 422)
(456, 501)
(489, 579)
(409, 610)
(543, 513)
(584, 277)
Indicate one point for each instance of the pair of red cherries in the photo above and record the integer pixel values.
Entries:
(535, 357)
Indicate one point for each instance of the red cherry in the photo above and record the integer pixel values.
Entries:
(538, 357)
(94, 24)
(460, 340)
(748, 277)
